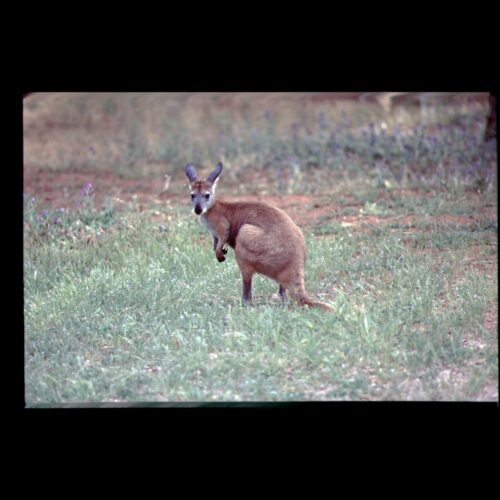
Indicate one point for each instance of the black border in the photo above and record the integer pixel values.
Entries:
(454, 65)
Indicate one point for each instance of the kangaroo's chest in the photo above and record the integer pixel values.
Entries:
(208, 224)
(221, 228)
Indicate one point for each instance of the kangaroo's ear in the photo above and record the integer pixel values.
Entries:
(191, 172)
(215, 174)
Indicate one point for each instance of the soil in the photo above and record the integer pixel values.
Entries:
(57, 189)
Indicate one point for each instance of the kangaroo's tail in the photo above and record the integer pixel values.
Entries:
(302, 297)
(307, 301)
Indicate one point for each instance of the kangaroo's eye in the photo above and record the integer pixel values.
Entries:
(192, 196)
(207, 196)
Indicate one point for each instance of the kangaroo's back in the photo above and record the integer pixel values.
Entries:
(273, 221)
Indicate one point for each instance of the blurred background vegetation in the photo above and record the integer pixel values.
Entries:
(287, 142)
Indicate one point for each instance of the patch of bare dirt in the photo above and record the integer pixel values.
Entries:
(491, 318)
(63, 189)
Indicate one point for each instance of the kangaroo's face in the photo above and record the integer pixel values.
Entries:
(202, 192)
(202, 196)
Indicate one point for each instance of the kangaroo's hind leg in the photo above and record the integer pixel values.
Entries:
(247, 291)
(247, 252)
(246, 274)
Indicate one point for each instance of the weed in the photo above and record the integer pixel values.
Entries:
(151, 316)
(444, 147)
(121, 306)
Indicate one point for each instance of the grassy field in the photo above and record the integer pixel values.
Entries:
(125, 301)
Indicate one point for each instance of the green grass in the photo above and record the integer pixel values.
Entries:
(127, 303)
(302, 141)
(119, 307)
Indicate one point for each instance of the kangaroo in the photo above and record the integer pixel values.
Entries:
(264, 238)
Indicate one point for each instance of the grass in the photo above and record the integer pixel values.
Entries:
(293, 142)
(120, 307)
(127, 303)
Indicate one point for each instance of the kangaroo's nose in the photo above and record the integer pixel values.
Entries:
(197, 210)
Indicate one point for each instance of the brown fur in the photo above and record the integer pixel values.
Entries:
(265, 241)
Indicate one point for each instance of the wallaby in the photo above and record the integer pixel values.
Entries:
(264, 238)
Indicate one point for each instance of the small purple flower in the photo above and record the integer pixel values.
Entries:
(345, 120)
(295, 132)
(87, 190)
(268, 115)
(334, 145)
(44, 214)
(322, 121)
